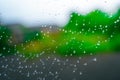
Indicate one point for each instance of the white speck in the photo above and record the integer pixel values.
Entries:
(28, 74)
(76, 24)
(95, 59)
(80, 73)
(85, 64)
(74, 51)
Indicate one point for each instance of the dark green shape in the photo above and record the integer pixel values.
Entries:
(6, 48)
(32, 36)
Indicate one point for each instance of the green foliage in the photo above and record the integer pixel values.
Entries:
(32, 36)
(96, 21)
(107, 27)
(96, 32)
(5, 47)
(82, 44)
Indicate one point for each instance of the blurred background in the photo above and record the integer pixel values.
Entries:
(59, 40)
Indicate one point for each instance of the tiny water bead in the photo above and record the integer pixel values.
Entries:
(95, 59)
